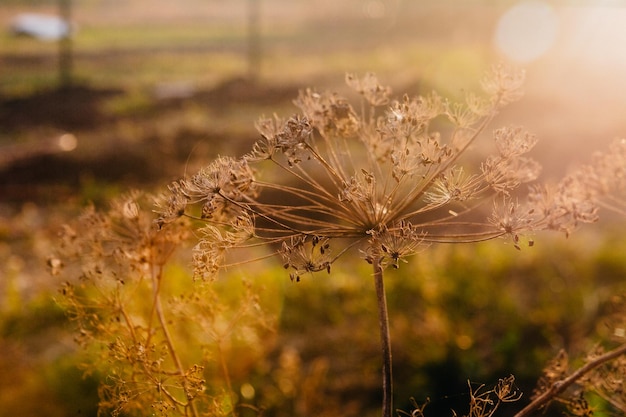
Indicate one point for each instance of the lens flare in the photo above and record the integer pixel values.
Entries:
(526, 31)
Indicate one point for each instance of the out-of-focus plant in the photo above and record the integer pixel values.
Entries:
(136, 314)
(604, 177)
(603, 369)
(377, 178)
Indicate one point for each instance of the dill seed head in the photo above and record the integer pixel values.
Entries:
(382, 180)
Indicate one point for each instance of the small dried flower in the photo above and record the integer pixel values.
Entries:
(453, 185)
(369, 87)
(563, 206)
(331, 114)
(306, 255)
(506, 391)
(210, 251)
(504, 175)
(171, 205)
(504, 85)
(227, 177)
(512, 220)
(513, 141)
(393, 245)
(411, 116)
(462, 115)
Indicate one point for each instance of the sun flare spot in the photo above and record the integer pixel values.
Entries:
(526, 31)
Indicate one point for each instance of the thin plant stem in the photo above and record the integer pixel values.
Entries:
(560, 386)
(226, 376)
(385, 339)
(168, 338)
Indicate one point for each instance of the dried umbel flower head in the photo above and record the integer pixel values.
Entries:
(306, 255)
(604, 179)
(355, 179)
(375, 178)
(135, 313)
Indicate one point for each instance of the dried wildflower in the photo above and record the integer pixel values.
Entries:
(513, 141)
(463, 115)
(485, 402)
(417, 157)
(369, 87)
(564, 206)
(117, 296)
(331, 114)
(476, 104)
(288, 137)
(578, 406)
(214, 242)
(506, 391)
(382, 181)
(306, 255)
(228, 178)
(269, 130)
(504, 85)
(504, 175)
(507, 170)
(395, 245)
(603, 181)
(453, 185)
(171, 205)
(411, 116)
(512, 220)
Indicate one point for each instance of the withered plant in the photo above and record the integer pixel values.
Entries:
(602, 371)
(136, 315)
(383, 179)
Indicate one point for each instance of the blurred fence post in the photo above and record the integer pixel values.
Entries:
(65, 45)
(254, 39)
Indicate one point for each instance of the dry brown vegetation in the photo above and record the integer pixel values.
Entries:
(161, 91)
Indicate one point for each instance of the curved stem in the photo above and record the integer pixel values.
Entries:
(560, 386)
(385, 339)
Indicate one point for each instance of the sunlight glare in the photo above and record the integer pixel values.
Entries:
(597, 36)
(67, 142)
(526, 31)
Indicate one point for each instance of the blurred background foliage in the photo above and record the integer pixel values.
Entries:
(159, 88)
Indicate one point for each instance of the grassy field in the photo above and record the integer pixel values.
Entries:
(160, 88)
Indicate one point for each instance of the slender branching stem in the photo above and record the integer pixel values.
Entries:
(226, 375)
(385, 339)
(168, 338)
(560, 386)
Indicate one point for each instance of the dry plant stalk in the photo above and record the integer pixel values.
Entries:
(602, 372)
(377, 178)
(603, 183)
(134, 316)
